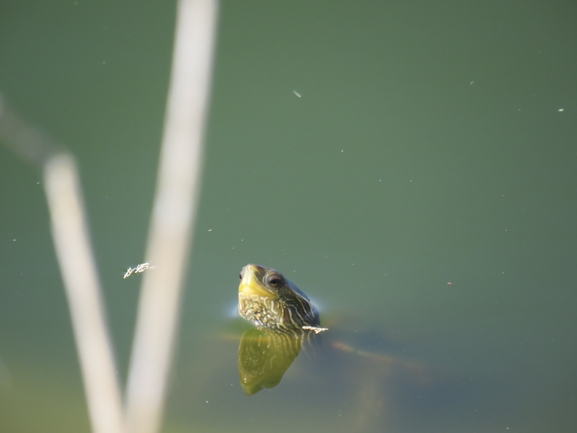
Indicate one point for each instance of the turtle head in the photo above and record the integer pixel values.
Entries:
(269, 300)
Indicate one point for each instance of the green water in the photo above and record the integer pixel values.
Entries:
(423, 183)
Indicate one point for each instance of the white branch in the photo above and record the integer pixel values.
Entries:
(173, 215)
(72, 244)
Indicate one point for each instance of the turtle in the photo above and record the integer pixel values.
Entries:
(285, 320)
(270, 301)
(283, 316)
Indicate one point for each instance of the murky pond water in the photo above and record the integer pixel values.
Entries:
(411, 168)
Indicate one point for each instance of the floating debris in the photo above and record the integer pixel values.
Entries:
(315, 329)
(138, 269)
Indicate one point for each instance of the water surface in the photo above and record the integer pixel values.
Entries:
(411, 167)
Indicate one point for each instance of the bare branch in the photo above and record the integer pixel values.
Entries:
(173, 214)
(77, 265)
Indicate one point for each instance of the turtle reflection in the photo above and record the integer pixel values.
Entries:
(264, 356)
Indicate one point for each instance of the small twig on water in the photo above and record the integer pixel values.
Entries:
(138, 269)
(315, 329)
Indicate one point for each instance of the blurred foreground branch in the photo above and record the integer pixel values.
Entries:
(77, 265)
(173, 215)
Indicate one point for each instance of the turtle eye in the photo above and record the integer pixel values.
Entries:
(274, 280)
